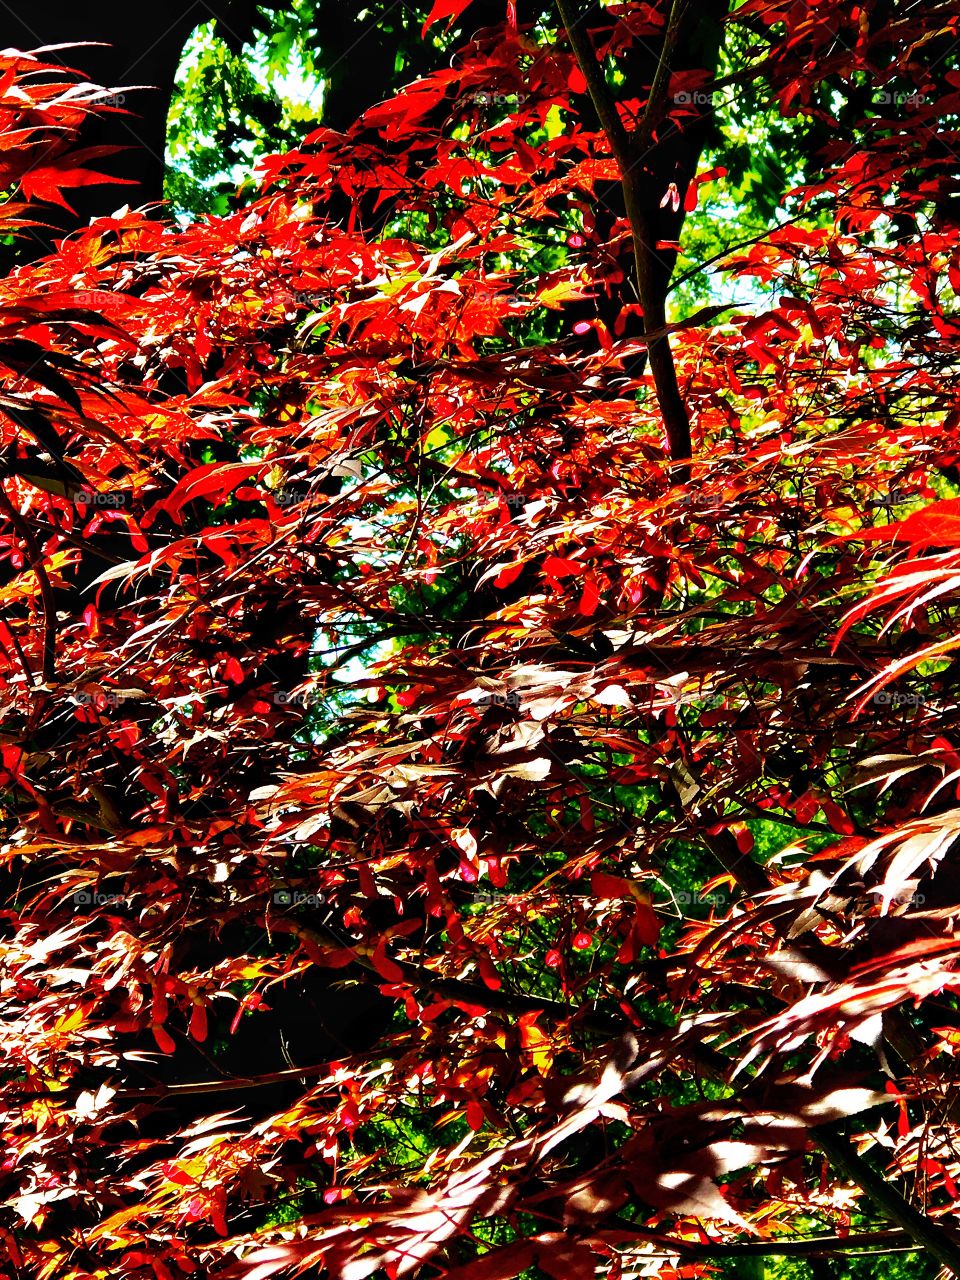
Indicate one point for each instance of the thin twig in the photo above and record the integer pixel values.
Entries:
(15, 640)
(454, 988)
(660, 88)
(46, 590)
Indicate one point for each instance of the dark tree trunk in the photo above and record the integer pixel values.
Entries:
(139, 45)
(349, 42)
(142, 45)
(121, 44)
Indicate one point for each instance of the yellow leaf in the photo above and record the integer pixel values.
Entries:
(556, 295)
(537, 1045)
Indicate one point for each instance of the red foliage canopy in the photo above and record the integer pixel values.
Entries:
(343, 633)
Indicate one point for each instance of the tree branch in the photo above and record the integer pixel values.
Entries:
(18, 647)
(929, 1235)
(889, 1241)
(454, 989)
(829, 1138)
(628, 156)
(657, 100)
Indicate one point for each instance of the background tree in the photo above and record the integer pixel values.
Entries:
(360, 56)
(121, 47)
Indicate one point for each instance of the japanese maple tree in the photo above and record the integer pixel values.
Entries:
(480, 748)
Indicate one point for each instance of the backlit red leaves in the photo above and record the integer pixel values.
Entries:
(445, 9)
(355, 635)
